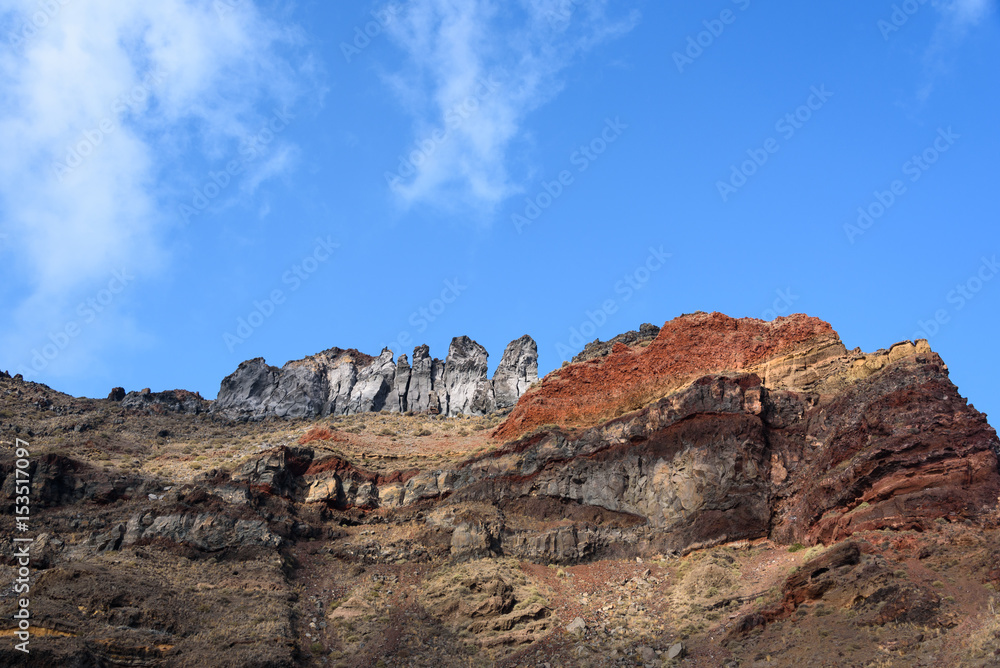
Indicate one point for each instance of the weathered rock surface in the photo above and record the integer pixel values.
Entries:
(517, 371)
(401, 386)
(347, 382)
(598, 348)
(173, 401)
(465, 384)
(374, 385)
(796, 439)
(422, 397)
(719, 430)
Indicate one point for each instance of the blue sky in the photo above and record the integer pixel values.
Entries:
(185, 185)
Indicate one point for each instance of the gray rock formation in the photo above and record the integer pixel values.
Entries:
(248, 390)
(467, 389)
(374, 385)
(422, 382)
(598, 348)
(345, 382)
(517, 370)
(398, 400)
(171, 401)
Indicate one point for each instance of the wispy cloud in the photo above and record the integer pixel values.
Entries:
(957, 18)
(474, 70)
(102, 104)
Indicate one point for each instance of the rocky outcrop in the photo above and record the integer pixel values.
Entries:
(347, 382)
(422, 395)
(171, 401)
(517, 371)
(465, 384)
(815, 442)
(374, 385)
(116, 394)
(686, 348)
(598, 348)
(401, 387)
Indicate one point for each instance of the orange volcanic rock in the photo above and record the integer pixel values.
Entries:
(588, 393)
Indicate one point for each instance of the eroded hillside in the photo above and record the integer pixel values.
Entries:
(730, 492)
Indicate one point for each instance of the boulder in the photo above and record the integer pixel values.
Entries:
(116, 394)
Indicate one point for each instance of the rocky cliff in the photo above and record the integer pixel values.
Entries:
(718, 429)
(669, 480)
(348, 382)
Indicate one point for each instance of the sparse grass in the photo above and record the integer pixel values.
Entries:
(982, 642)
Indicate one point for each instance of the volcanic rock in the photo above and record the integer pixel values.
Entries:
(374, 385)
(465, 383)
(598, 348)
(399, 397)
(517, 371)
(423, 376)
(173, 401)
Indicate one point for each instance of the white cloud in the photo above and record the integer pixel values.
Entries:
(957, 18)
(100, 101)
(474, 70)
(969, 12)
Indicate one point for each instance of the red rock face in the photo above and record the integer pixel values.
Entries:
(693, 345)
(896, 450)
(821, 444)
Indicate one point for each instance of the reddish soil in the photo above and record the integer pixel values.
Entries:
(584, 394)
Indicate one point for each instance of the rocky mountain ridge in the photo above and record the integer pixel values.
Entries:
(391, 509)
(348, 382)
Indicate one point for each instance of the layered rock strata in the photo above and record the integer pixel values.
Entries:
(759, 430)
